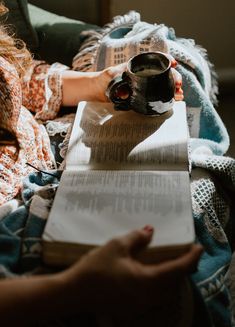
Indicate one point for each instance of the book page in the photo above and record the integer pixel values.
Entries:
(91, 207)
(103, 138)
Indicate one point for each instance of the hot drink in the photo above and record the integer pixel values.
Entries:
(148, 71)
(147, 86)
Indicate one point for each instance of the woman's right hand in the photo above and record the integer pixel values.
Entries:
(109, 280)
(179, 94)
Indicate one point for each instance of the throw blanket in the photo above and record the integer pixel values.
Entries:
(212, 175)
(127, 36)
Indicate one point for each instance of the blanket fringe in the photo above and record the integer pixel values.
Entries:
(214, 90)
(85, 59)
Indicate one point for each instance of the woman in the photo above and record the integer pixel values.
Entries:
(32, 92)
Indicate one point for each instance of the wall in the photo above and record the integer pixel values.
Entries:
(210, 23)
(87, 10)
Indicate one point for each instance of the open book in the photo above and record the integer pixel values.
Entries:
(123, 171)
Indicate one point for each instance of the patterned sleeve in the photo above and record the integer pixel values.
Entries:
(42, 89)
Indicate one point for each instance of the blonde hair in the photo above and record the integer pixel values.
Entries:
(13, 49)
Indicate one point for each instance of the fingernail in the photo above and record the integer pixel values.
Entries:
(148, 229)
(178, 83)
(174, 63)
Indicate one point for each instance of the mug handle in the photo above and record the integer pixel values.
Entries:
(119, 92)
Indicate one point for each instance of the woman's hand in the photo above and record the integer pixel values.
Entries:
(110, 280)
(87, 86)
(104, 78)
(179, 96)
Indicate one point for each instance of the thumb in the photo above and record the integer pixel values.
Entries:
(117, 70)
(137, 239)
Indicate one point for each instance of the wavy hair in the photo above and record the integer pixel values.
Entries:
(11, 48)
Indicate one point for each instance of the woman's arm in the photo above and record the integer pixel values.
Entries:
(91, 86)
(46, 88)
(88, 86)
(29, 299)
(106, 280)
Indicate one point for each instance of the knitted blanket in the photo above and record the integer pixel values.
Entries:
(212, 175)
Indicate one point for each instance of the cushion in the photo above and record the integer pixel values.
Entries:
(59, 37)
(123, 38)
(18, 18)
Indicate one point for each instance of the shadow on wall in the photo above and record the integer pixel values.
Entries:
(210, 23)
(90, 11)
(226, 111)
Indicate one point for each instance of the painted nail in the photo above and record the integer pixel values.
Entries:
(179, 90)
(178, 83)
(148, 229)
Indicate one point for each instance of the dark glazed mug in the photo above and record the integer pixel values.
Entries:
(147, 86)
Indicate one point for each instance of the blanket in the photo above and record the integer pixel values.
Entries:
(127, 36)
(22, 220)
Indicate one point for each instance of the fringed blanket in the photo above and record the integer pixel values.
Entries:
(212, 175)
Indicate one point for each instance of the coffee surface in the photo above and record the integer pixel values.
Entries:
(149, 71)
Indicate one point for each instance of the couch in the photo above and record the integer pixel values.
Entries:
(45, 33)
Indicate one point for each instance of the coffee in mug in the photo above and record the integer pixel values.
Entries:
(147, 86)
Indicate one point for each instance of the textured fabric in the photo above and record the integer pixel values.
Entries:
(41, 92)
(42, 89)
(212, 187)
(18, 18)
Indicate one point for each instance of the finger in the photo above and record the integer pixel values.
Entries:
(177, 78)
(176, 267)
(172, 60)
(117, 70)
(138, 239)
(179, 97)
(179, 90)
(179, 94)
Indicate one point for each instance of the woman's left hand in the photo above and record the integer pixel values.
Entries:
(103, 79)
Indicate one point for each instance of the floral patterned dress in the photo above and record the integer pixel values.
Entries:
(24, 106)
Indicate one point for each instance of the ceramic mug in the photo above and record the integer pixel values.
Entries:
(147, 86)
